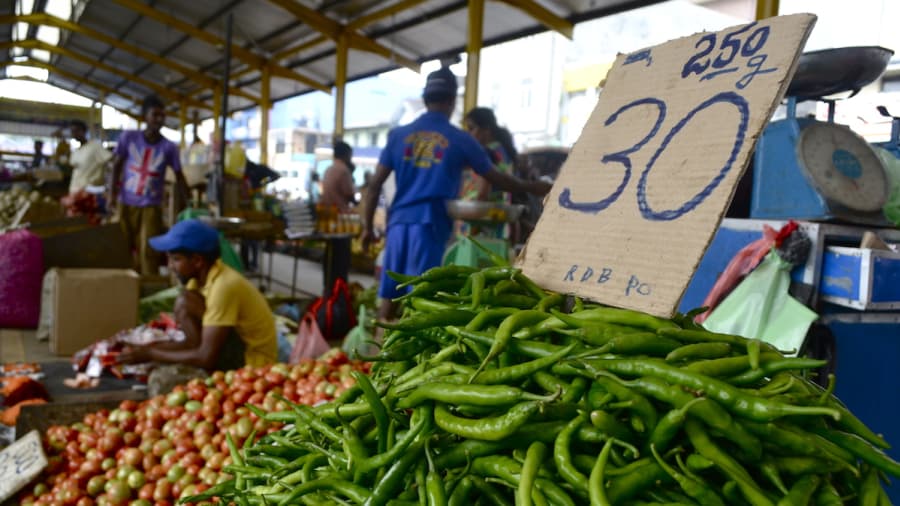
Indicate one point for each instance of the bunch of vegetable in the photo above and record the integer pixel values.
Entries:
(487, 392)
(13, 200)
(158, 450)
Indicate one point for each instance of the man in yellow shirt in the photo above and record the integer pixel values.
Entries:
(226, 320)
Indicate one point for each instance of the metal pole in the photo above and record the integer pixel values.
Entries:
(473, 53)
(220, 167)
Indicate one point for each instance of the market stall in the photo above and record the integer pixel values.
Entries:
(579, 375)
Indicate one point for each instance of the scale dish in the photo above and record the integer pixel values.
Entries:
(473, 210)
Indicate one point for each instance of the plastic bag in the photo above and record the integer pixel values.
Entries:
(760, 307)
(892, 167)
(309, 343)
(742, 264)
(334, 312)
(357, 343)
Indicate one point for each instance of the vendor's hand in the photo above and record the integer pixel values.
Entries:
(539, 188)
(134, 355)
(368, 237)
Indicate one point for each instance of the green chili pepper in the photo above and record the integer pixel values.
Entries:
(440, 272)
(828, 495)
(847, 420)
(705, 446)
(388, 486)
(378, 408)
(862, 449)
(599, 334)
(870, 491)
(699, 350)
(405, 350)
(754, 408)
(704, 336)
(478, 282)
(533, 460)
(802, 491)
(429, 320)
(626, 486)
(669, 426)
(617, 316)
(461, 493)
(506, 375)
(504, 333)
(429, 305)
(610, 426)
(476, 395)
(550, 301)
(369, 464)
(646, 343)
(596, 487)
(640, 405)
(429, 288)
(562, 455)
(693, 487)
(769, 368)
(523, 302)
(533, 349)
(487, 429)
(489, 315)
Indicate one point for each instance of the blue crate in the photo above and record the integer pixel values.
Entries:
(861, 278)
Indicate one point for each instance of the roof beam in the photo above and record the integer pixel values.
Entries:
(239, 52)
(368, 19)
(46, 19)
(544, 16)
(76, 92)
(121, 36)
(161, 90)
(333, 30)
(73, 77)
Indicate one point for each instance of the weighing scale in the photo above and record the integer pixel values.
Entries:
(814, 170)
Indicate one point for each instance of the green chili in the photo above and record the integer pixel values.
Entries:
(862, 449)
(754, 408)
(428, 320)
(596, 487)
(699, 351)
(802, 491)
(487, 429)
(533, 460)
(562, 455)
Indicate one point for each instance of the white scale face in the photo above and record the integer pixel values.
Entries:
(843, 167)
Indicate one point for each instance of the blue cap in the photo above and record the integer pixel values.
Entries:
(188, 235)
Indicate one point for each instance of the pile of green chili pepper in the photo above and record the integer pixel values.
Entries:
(490, 390)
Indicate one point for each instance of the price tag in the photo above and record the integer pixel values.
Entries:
(20, 463)
(646, 185)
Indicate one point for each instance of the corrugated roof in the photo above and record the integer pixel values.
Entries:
(151, 42)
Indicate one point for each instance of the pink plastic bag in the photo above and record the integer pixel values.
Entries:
(21, 275)
(743, 264)
(309, 343)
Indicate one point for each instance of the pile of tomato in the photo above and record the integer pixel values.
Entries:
(151, 453)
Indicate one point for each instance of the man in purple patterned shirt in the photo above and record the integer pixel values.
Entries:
(138, 180)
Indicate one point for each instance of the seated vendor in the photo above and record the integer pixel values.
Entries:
(226, 320)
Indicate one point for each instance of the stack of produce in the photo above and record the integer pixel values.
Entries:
(487, 392)
(13, 200)
(158, 450)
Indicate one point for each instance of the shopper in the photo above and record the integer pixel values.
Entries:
(88, 161)
(427, 157)
(226, 321)
(338, 189)
(142, 158)
(338, 192)
(39, 158)
(481, 123)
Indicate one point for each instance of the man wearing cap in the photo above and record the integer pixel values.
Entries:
(427, 157)
(226, 320)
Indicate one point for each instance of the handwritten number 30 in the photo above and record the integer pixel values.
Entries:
(622, 157)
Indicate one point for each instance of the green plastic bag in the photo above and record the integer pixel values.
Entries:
(760, 307)
(228, 254)
(357, 342)
(892, 167)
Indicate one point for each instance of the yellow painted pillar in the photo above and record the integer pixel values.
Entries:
(182, 123)
(340, 84)
(473, 51)
(217, 113)
(265, 106)
(766, 9)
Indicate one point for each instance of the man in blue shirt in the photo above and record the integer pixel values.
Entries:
(427, 157)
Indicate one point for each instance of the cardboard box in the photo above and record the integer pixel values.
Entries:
(88, 305)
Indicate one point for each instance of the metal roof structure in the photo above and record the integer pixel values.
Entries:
(117, 51)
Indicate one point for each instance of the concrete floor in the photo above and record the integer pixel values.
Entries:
(22, 345)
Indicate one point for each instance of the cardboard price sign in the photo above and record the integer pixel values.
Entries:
(646, 185)
(20, 463)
